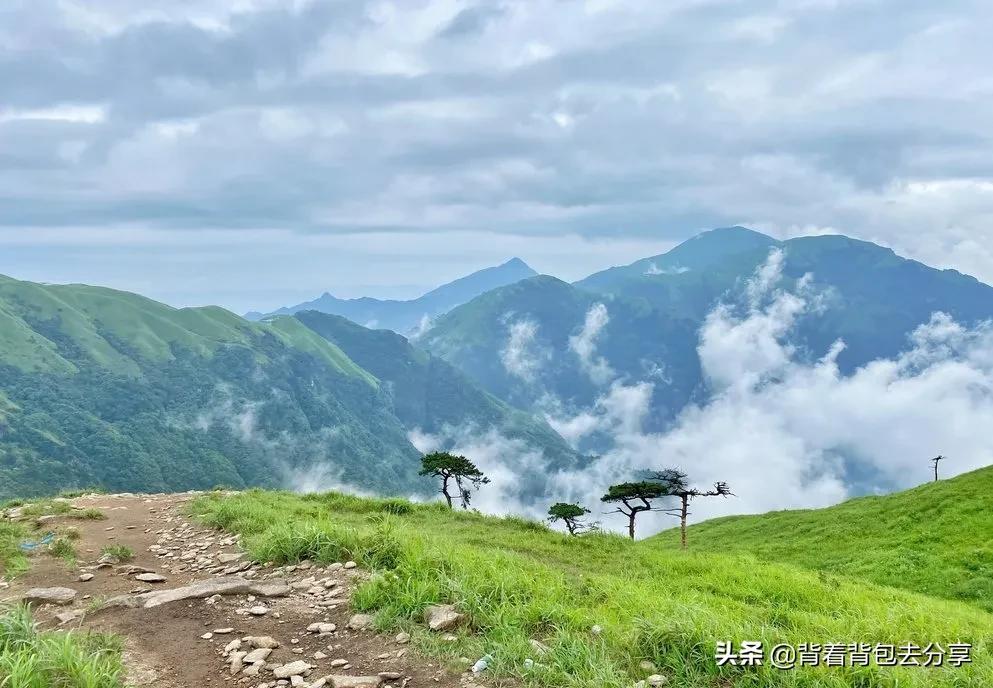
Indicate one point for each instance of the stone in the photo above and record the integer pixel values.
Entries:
(360, 622)
(229, 558)
(67, 617)
(259, 654)
(657, 680)
(232, 646)
(338, 663)
(262, 641)
(202, 589)
(297, 668)
(223, 631)
(85, 577)
(50, 595)
(150, 578)
(356, 681)
(539, 647)
(402, 638)
(322, 628)
(443, 617)
(237, 662)
(258, 610)
(207, 636)
(390, 675)
(350, 565)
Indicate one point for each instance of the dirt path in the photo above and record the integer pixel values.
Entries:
(183, 643)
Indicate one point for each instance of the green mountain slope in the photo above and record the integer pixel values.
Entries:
(431, 395)
(100, 387)
(872, 298)
(406, 316)
(599, 606)
(866, 295)
(639, 342)
(936, 539)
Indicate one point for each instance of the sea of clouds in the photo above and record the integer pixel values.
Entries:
(784, 432)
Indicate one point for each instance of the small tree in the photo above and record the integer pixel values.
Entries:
(674, 483)
(570, 514)
(935, 461)
(450, 467)
(633, 498)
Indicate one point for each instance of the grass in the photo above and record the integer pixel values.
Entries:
(30, 658)
(119, 552)
(934, 539)
(12, 559)
(519, 582)
(63, 548)
(90, 514)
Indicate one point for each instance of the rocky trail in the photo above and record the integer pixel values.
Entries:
(195, 611)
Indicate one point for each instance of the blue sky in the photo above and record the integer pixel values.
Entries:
(255, 153)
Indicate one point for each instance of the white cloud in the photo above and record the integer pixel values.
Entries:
(73, 114)
(807, 435)
(522, 356)
(584, 345)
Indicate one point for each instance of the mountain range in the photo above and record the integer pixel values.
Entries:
(411, 316)
(553, 347)
(102, 387)
(106, 388)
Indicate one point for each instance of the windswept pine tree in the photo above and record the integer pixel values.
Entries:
(450, 467)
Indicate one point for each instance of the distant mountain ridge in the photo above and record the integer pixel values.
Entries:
(649, 315)
(408, 316)
(106, 388)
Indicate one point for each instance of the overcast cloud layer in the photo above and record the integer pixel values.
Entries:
(255, 152)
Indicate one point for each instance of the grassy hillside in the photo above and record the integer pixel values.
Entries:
(601, 604)
(101, 387)
(430, 394)
(639, 342)
(935, 539)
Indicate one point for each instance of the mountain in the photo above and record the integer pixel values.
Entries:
(543, 344)
(872, 298)
(515, 341)
(432, 396)
(409, 316)
(933, 539)
(102, 387)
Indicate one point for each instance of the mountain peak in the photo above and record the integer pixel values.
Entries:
(517, 263)
(735, 233)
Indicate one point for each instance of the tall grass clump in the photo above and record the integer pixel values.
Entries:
(12, 559)
(554, 610)
(119, 552)
(30, 658)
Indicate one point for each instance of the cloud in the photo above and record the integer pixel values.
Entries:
(522, 357)
(790, 433)
(654, 269)
(585, 342)
(525, 118)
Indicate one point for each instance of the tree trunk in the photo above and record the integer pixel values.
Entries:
(935, 471)
(631, 517)
(444, 491)
(682, 520)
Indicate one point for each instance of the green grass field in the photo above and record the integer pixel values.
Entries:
(600, 603)
(935, 539)
(30, 658)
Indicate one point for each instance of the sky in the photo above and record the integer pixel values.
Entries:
(255, 153)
